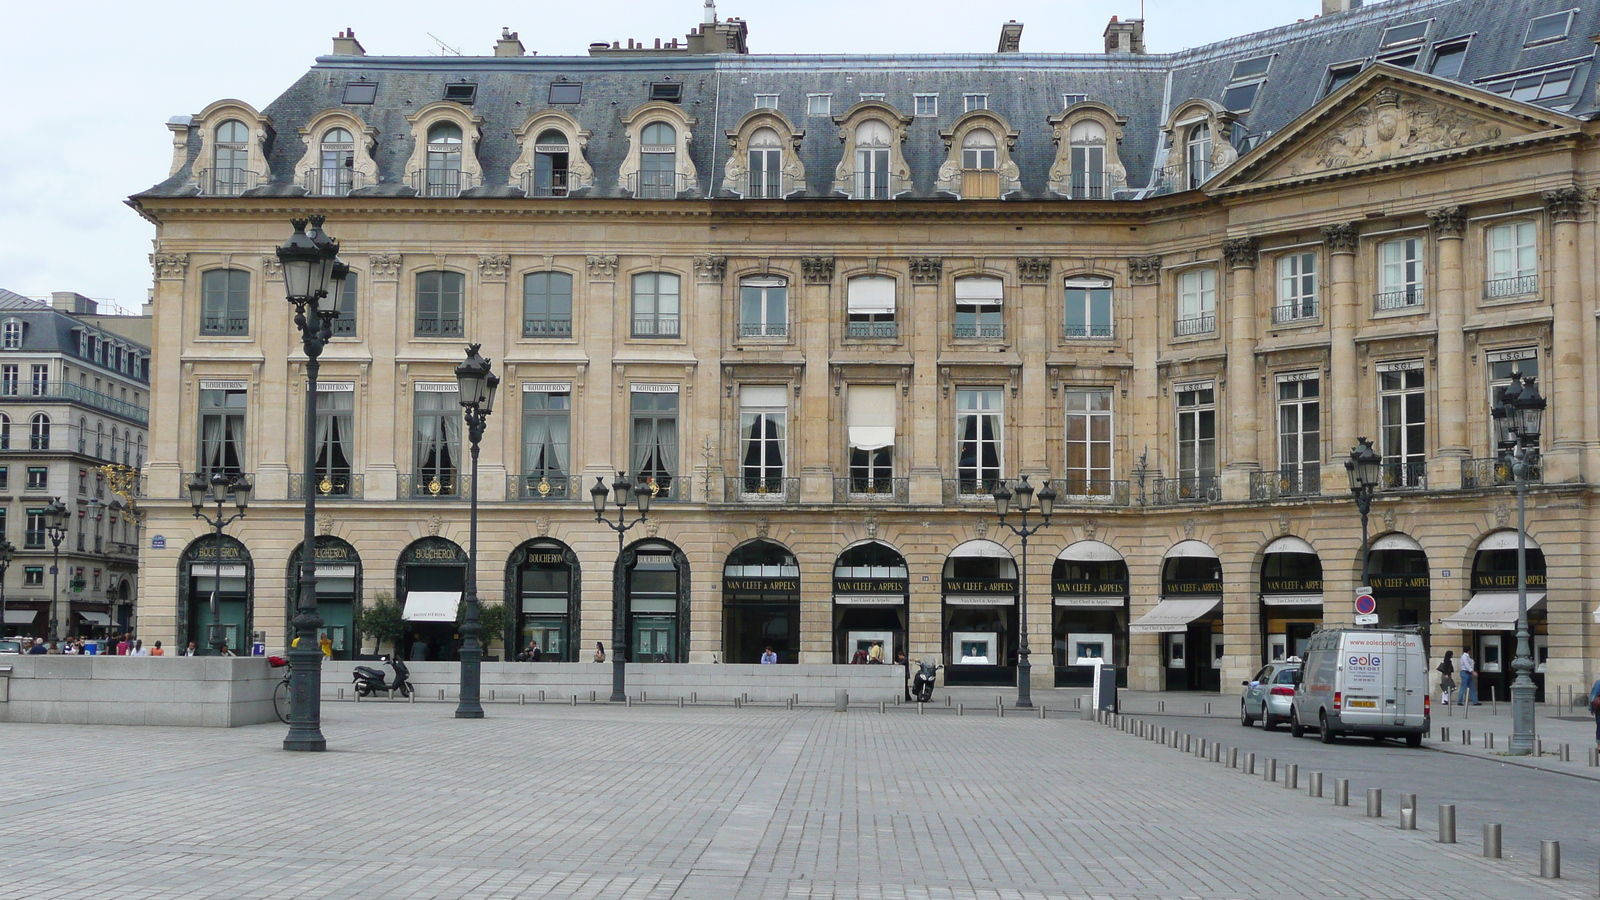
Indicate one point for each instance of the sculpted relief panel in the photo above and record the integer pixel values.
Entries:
(1393, 125)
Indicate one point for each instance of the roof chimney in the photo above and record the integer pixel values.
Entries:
(75, 303)
(711, 12)
(1334, 7)
(1127, 37)
(509, 45)
(1010, 37)
(345, 44)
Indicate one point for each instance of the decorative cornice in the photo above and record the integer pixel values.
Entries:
(385, 267)
(926, 269)
(602, 268)
(1448, 222)
(711, 268)
(1241, 253)
(1033, 269)
(817, 269)
(493, 268)
(170, 265)
(1144, 269)
(1565, 204)
(1341, 237)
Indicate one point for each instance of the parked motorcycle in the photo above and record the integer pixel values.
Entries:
(922, 682)
(369, 681)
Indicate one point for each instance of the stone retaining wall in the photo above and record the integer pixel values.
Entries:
(208, 692)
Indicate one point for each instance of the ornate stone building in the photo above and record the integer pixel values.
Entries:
(821, 305)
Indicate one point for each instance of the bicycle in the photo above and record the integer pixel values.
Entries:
(280, 694)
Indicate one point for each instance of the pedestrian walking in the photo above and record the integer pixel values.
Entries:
(769, 658)
(1469, 680)
(599, 652)
(419, 650)
(327, 646)
(859, 658)
(122, 646)
(1447, 677)
(1594, 707)
(875, 655)
(38, 648)
(157, 651)
(138, 649)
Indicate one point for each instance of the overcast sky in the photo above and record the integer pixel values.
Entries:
(100, 79)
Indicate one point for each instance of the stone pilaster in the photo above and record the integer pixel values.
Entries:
(1243, 436)
(1143, 316)
(1449, 225)
(1034, 334)
(606, 402)
(488, 328)
(1343, 390)
(384, 326)
(821, 445)
(1564, 387)
(922, 408)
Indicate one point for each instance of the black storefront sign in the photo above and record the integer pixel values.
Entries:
(760, 585)
(869, 586)
(1401, 584)
(1082, 588)
(1499, 581)
(1174, 588)
(980, 586)
(1291, 585)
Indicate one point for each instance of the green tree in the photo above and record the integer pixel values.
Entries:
(493, 617)
(380, 620)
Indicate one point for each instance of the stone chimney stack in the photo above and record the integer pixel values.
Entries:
(1010, 37)
(74, 303)
(1334, 7)
(1125, 37)
(509, 45)
(345, 44)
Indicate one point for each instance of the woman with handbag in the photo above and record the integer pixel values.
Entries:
(1447, 680)
(1594, 707)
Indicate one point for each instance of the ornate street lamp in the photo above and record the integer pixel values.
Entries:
(1003, 501)
(1365, 469)
(477, 385)
(312, 273)
(6, 552)
(220, 485)
(56, 519)
(622, 489)
(1521, 410)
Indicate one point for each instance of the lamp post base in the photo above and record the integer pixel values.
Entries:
(311, 745)
(1024, 685)
(619, 684)
(1522, 728)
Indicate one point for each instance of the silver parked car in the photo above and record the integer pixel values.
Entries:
(1269, 695)
(10, 647)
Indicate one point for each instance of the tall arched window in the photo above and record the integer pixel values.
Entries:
(5, 432)
(100, 439)
(39, 437)
(1088, 149)
(658, 161)
(977, 150)
(444, 160)
(337, 163)
(1197, 155)
(766, 165)
(873, 139)
(550, 156)
(83, 433)
(230, 164)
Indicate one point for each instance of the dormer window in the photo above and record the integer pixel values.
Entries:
(658, 161)
(337, 162)
(977, 150)
(1339, 76)
(230, 172)
(444, 160)
(872, 160)
(975, 101)
(11, 336)
(550, 165)
(1553, 27)
(1401, 35)
(360, 93)
(463, 93)
(566, 92)
(670, 91)
(766, 165)
(1088, 140)
(1197, 155)
(1447, 59)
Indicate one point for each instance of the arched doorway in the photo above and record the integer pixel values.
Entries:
(1489, 619)
(338, 593)
(1089, 585)
(1291, 598)
(655, 578)
(543, 576)
(1397, 568)
(870, 601)
(980, 614)
(1188, 618)
(429, 578)
(760, 603)
(233, 580)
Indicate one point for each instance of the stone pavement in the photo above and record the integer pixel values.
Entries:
(600, 801)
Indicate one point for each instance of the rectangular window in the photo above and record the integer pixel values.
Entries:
(33, 537)
(1197, 441)
(1088, 171)
(1299, 434)
(1447, 59)
(878, 97)
(5, 478)
(1088, 310)
(978, 445)
(222, 432)
(819, 104)
(1506, 366)
(33, 576)
(40, 380)
(1553, 27)
(439, 304)
(1513, 260)
(462, 92)
(765, 175)
(655, 305)
(547, 305)
(766, 101)
(360, 92)
(1197, 302)
(1400, 274)
(1253, 67)
(654, 439)
(763, 308)
(1339, 76)
(1397, 35)
(436, 442)
(871, 427)
(1555, 83)
(979, 309)
(871, 308)
(224, 305)
(546, 440)
(9, 379)
(1069, 100)
(763, 439)
(1297, 287)
(872, 173)
(975, 101)
(566, 92)
(345, 325)
(1088, 448)
(1240, 97)
(670, 91)
(335, 437)
(1403, 411)
(925, 104)
(38, 478)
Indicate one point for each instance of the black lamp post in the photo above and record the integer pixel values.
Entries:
(1024, 504)
(220, 485)
(619, 628)
(477, 385)
(1365, 469)
(312, 273)
(1521, 415)
(56, 518)
(6, 552)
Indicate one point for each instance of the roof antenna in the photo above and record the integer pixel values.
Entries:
(711, 12)
(444, 49)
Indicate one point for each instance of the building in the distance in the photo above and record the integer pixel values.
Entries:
(821, 303)
(74, 403)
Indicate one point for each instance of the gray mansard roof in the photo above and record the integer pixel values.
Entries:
(1024, 88)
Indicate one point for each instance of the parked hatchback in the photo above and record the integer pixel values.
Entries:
(1269, 695)
(9, 647)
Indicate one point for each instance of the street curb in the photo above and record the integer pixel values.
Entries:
(1440, 747)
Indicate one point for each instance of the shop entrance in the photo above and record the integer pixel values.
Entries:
(1089, 586)
(338, 594)
(870, 586)
(1489, 619)
(761, 603)
(980, 615)
(543, 577)
(656, 575)
(1291, 598)
(1401, 583)
(1188, 618)
(199, 576)
(431, 574)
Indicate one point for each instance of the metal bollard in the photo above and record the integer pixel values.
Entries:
(1566, 753)
(1594, 757)
(1341, 792)
(1549, 859)
(694, 696)
(1270, 771)
(1374, 803)
(947, 701)
(522, 699)
(1233, 757)
(999, 711)
(1444, 734)
(1188, 743)
(961, 709)
(1077, 703)
(1488, 740)
(1216, 753)
(441, 693)
(574, 699)
(1491, 840)
(412, 698)
(1447, 823)
(1314, 785)
(1466, 737)
(541, 696)
(880, 707)
(1291, 776)
(628, 700)
(1250, 764)
(1538, 747)
(680, 703)
(341, 694)
(1408, 812)
(644, 697)
(1208, 709)
(1042, 710)
(593, 696)
(1161, 706)
(841, 700)
(491, 696)
(919, 708)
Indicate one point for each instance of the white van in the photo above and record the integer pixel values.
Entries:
(1367, 681)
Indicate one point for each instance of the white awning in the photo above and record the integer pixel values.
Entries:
(21, 616)
(979, 291)
(1098, 601)
(1196, 549)
(1396, 542)
(869, 599)
(431, 606)
(871, 438)
(96, 618)
(1173, 615)
(1291, 599)
(753, 396)
(980, 600)
(871, 416)
(1490, 612)
(1597, 615)
(1506, 540)
(981, 549)
(1090, 551)
(1289, 545)
(204, 570)
(871, 295)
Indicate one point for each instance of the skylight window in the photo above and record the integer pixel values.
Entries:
(1073, 99)
(819, 104)
(869, 96)
(360, 92)
(1447, 59)
(1399, 35)
(1339, 76)
(463, 92)
(1250, 68)
(766, 101)
(976, 101)
(670, 91)
(925, 104)
(1553, 84)
(1241, 97)
(1553, 27)
(566, 92)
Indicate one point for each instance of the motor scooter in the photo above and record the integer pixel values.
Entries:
(369, 681)
(922, 682)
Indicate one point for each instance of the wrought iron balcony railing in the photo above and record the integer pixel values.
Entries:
(1071, 332)
(227, 182)
(872, 490)
(664, 325)
(330, 182)
(995, 332)
(1282, 484)
(969, 491)
(440, 182)
(1493, 472)
(1404, 476)
(1175, 178)
(1403, 298)
(1078, 488)
(553, 184)
(336, 485)
(183, 487)
(1088, 186)
(776, 489)
(432, 327)
(759, 330)
(236, 325)
(1185, 489)
(435, 486)
(770, 185)
(665, 488)
(549, 488)
(658, 185)
(547, 327)
(72, 393)
(872, 330)
(878, 186)
(1190, 325)
(1301, 311)
(1495, 288)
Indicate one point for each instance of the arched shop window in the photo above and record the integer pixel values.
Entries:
(1488, 620)
(1291, 597)
(980, 614)
(338, 593)
(225, 568)
(430, 576)
(1089, 612)
(870, 591)
(1188, 618)
(760, 603)
(655, 575)
(542, 582)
